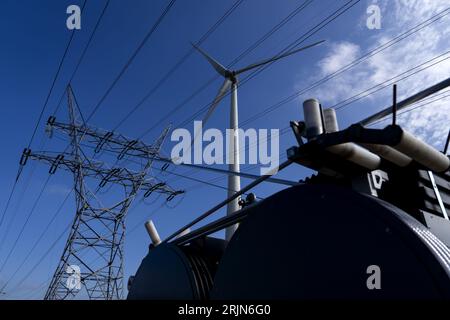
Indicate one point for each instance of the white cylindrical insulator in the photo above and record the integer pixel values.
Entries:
(356, 154)
(389, 154)
(330, 119)
(313, 119)
(423, 153)
(152, 232)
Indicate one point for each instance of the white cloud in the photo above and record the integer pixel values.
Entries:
(340, 54)
(430, 123)
(406, 10)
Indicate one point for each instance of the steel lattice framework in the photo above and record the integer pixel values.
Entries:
(98, 230)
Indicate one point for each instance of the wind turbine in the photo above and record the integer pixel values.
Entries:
(231, 82)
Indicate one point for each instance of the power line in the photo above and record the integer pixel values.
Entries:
(195, 179)
(242, 55)
(42, 235)
(148, 35)
(26, 223)
(43, 256)
(77, 67)
(274, 29)
(52, 87)
(366, 56)
(424, 103)
(88, 44)
(382, 85)
(247, 51)
(375, 51)
(326, 21)
(18, 205)
(330, 18)
(357, 61)
(27, 182)
(170, 172)
(70, 80)
(41, 115)
(8, 202)
(287, 129)
(30, 293)
(414, 108)
(23, 194)
(39, 261)
(178, 64)
(132, 57)
(44, 232)
(52, 246)
(53, 83)
(134, 228)
(388, 82)
(201, 181)
(247, 168)
(60, 236)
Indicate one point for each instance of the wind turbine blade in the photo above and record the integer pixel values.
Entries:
(216, 65)
(222, 91)
(261, 63)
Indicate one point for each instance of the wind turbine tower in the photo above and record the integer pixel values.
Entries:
(231, 83)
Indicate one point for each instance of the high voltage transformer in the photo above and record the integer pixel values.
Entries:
(378, 206)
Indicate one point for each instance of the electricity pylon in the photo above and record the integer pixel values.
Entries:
(92, 260)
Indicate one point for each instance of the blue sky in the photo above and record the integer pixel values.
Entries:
(34, 35)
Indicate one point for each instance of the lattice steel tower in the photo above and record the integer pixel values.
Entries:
(93, 253)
